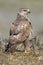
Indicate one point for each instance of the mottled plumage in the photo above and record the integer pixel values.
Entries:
(21, 28)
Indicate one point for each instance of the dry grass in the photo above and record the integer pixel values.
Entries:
(22, 58)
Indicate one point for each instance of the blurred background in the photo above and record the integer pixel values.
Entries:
(9, 9)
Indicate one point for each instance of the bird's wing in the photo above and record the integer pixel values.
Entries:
(12, 29)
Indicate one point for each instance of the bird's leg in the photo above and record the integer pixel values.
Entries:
(28, 45)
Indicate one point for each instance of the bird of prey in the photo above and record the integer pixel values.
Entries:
(21, 28)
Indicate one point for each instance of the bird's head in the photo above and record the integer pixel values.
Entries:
(23, 11)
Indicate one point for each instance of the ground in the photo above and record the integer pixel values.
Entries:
(22, 58)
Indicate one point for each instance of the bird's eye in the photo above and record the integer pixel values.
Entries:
(30, 23)
(24, 10)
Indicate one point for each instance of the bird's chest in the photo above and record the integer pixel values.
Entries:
(22, 25)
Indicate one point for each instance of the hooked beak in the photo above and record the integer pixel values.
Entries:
(28, 11)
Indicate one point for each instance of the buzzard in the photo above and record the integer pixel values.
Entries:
(20, 30)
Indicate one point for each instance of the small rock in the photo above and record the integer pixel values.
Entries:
(40, 57)
(20, 47)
